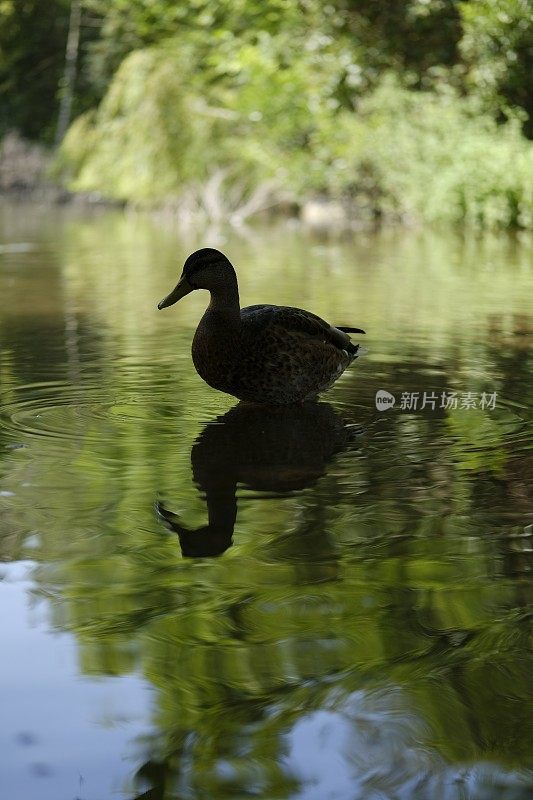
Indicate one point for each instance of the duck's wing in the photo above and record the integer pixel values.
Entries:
(288, 318)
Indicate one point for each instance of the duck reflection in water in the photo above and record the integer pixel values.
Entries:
(275, 451)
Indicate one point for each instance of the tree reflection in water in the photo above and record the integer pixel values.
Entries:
(366, 636)
(312, 713)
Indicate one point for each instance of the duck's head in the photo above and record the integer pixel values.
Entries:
(204, 269)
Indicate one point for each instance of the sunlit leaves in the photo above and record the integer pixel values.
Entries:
(498, 48)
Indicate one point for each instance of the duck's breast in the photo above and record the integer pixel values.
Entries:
(215, 353)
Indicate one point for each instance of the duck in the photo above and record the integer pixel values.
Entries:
(261, 354)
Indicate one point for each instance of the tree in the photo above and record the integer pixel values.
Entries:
(498, 48)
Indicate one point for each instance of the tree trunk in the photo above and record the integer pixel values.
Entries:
(69, 74)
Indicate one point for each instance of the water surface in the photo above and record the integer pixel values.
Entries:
(203, 601)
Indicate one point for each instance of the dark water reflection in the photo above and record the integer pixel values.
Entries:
(275, 451)
(351, 619)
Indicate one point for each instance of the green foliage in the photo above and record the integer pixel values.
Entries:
(134, 145)
(497, 45)
(174, 114)
(126, 26)
(33, 37)
(32, 52)
(272, 114)
(390, 106)
(432, 156)
(413, 36)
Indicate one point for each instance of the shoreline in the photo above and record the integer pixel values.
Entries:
(27, 176)
(26, 170)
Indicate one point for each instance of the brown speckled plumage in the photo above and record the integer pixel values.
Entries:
(263, 353)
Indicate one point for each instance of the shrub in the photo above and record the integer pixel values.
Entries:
(434, 156)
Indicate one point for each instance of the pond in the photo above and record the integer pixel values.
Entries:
(203, 600)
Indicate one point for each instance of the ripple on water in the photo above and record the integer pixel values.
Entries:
(55, 409)
(65, 411)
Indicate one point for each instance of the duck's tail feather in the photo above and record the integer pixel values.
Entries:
(356, 351)
(346, 329)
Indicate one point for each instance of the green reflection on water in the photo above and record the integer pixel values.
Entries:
(360, 551)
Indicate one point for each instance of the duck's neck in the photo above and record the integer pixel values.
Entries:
(216, 343)
(224, 306)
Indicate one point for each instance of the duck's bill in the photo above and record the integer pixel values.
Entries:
(183, 288)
